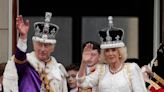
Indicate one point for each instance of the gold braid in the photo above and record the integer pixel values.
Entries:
(44, 78)
(158, 78)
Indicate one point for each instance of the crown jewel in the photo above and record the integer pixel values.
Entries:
(45, 31)
(111, 36)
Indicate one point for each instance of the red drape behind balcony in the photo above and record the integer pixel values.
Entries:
(14, 31)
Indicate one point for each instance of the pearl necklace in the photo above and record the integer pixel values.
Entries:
(114, 72)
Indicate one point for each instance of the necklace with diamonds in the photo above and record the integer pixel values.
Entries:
(114, 72)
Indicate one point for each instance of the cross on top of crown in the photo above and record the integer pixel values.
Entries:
(48, 17)
(110, 19)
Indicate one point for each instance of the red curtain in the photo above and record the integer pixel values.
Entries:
(163, 21)
(14, 31)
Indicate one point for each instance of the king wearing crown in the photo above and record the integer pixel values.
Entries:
(37, 71)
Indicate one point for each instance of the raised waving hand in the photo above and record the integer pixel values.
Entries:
(87, 53)
(22, 26)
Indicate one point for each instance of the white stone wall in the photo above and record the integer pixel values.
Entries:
(4, 30)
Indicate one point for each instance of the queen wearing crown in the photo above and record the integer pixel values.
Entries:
(114, 75)
(37, 71)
